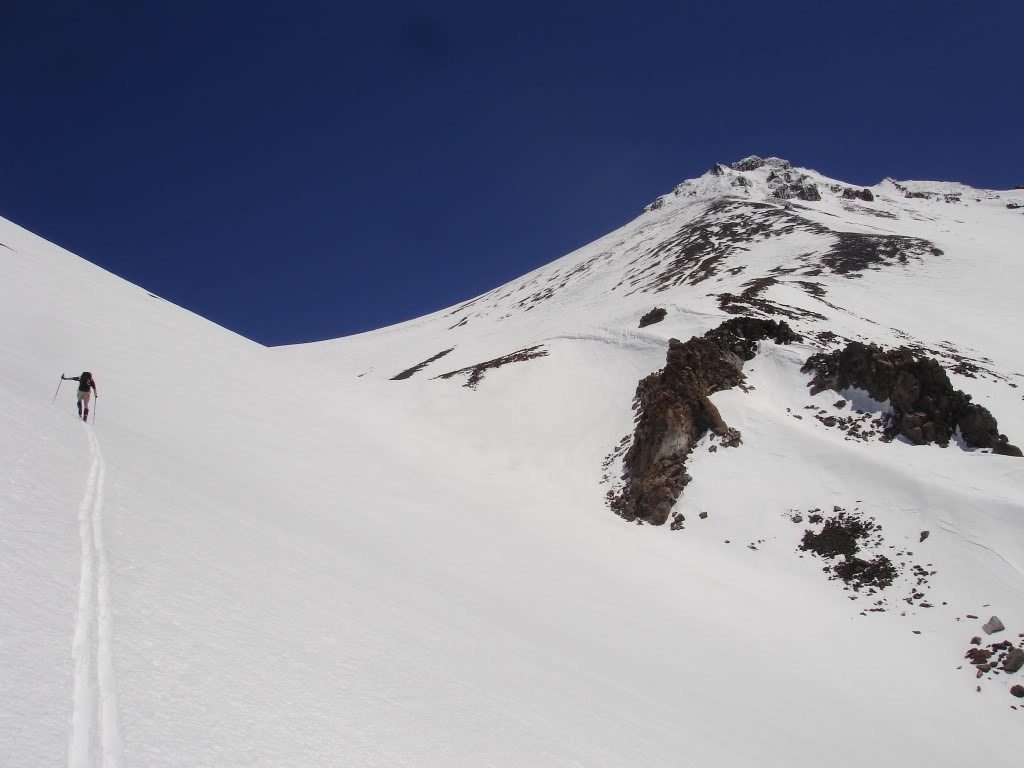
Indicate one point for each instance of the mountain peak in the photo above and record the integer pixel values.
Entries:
(753, 162)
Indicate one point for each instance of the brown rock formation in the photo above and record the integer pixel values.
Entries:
(926, 408)
(675, 412)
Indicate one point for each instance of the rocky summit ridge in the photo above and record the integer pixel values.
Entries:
(759, 178)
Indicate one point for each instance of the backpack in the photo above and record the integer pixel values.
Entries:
(84, 382)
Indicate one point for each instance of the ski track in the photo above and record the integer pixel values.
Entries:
(95, 740)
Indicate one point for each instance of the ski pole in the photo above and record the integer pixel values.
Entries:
(58, 389)
(95, 408)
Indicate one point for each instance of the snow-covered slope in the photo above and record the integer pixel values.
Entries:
(284, 557)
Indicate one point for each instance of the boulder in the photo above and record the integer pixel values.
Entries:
(1014, 660)
(993, 625)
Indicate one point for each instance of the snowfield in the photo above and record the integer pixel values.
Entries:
(283, 557)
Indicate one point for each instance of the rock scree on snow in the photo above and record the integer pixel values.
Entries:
(675, 412)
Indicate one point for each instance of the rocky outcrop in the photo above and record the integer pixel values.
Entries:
(739, 335)
(656, 315)
(858, 194)
(786, 185)
(675, 412)
(925, 407)
(753, 162)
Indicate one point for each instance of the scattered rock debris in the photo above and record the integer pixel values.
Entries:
(844, 535)
(854, 544)
(996, 658)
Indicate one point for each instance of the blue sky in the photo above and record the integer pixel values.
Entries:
(305, 170)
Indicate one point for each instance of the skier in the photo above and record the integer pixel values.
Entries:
(85, 381)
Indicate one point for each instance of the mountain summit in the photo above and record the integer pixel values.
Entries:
(734, 484)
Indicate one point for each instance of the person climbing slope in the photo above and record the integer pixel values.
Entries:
(85, 383)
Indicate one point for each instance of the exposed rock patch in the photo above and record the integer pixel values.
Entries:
(858, 194)
(409, 372)
(476, 372)
(856, 553)
(926, 408)
(674, 412)
(740, 335)
(753, 162)
(752, 299)
(855, 252)
(842, 536)
(656, 315)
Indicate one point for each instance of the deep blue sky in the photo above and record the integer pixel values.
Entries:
(303, 170)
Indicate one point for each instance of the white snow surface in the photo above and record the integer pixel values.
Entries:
(282, 557)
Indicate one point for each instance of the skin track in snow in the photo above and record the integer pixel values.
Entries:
(95, 734)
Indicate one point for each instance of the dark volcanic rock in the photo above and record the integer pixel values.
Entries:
(841, 535)
(1014, 660)
(926, 408)
(1018, 691)
(858, 194)
(751, 163)
(476, 372)
(409, 372)
(740, 335)
(656, 315)
(809, 192)
(878, 572)
(854, 251)
(675, 412)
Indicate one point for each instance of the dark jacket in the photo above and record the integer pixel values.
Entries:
(85, 381)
